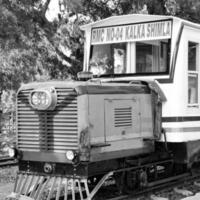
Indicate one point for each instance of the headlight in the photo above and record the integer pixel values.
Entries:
(40, 98)
(43, 99)
(70, 155)
(11, 152)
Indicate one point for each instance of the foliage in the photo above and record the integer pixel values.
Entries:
(33, 48)
(189, 10)
(20, 45)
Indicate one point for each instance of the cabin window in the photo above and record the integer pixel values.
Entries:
(139, 58)
(193, 52)
(151, 57)
(108, 59)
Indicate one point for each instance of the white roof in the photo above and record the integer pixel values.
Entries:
(133, 18)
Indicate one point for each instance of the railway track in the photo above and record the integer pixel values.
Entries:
(158, 190)
(161, 189)
(7, 161)
(174, 188)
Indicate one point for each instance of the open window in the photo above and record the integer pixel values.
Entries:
(108, 59)
(145, 57)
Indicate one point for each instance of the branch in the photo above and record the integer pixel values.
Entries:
(45, 7)
(64, 57)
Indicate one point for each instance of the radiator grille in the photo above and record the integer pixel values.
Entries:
(52, 131)
(123, 117)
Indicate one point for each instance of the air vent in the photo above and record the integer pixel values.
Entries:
(123, 117)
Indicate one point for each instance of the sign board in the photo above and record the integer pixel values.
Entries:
(132, 32)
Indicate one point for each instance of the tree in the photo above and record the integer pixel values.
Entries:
(21, 47)
(33, 48)
(189, 10)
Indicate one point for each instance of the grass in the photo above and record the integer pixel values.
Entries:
(7, 178)
(7, 175)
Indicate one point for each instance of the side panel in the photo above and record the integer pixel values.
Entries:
(118, 125)
(181, 120)
(122, 119)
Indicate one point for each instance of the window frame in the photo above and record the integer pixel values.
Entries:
(193, 73)
(129, 62)
(156, 52)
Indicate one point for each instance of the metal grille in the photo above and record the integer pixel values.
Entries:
(123, 117)
(52, 131)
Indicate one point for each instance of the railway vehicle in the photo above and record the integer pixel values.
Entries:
(132, 118)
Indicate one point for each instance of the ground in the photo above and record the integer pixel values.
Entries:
(7, 177)
(8, 174)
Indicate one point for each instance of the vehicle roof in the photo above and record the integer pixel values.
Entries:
(134, 18)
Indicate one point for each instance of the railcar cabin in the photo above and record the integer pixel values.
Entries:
(135, 106)
(161, 49)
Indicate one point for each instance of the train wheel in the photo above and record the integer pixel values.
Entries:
(136, 179)
(129, 181)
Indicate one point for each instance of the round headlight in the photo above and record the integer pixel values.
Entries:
(11, 152)
(43, 99)
(70, 155)
(40, 98)
(35, 99)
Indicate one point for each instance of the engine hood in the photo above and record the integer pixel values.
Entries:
(97, 87)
